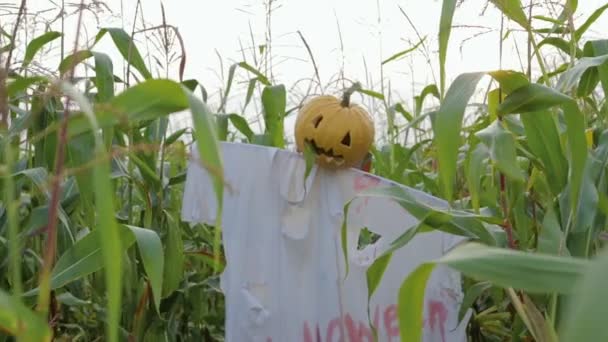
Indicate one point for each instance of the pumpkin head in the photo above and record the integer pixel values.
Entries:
(340, 133)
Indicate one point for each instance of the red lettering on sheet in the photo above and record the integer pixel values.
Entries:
(338, 329)
(363, 182)
(437, 311)
(356, 331)
(356, 335)
(308, 335)
(334, 325)
(390, 322)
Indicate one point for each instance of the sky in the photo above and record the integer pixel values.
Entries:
(346, 37)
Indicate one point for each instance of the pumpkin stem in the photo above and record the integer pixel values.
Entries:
(348, 92)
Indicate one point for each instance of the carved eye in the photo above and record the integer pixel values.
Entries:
(317, 120)
(346, 139)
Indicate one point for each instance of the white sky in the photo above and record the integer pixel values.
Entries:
(212, 28)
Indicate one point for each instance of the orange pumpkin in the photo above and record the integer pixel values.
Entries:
(340, 133)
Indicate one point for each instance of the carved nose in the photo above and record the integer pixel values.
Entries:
(317, 120)
(346, 139)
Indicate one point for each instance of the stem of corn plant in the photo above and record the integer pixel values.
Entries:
(505, 208)
(9, 192)
(131, 136)
(11, 210)
(216, 239)
(5, 71)
(51, 242)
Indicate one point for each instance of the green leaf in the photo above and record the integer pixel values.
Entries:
(241, 125)
(560, 44)
(372, 93)
(474, 169)
(539, 326)
(535, 273)
(410, 303)
(126, 47)
(221, 121)
(600, 48)
(501, 145)
(376, 270)
(81, 151)
(586, 204)
(104, 77)
(588, 82)
(209, 154)
(398, 107)
(152, 255)
(506, 268)
(19, 321)
(148, 174)
(543, 139)
(231, 72)
(518, 209)
(403, 53)
(550, 238)
(582, 319)
(430, 89)
(509, 80)
(106, 223)
(104, 81)
(22, 83)
(40, 178)
(191, 84)
(531, 97)
(72, 60)
(262, 139)
(82, 258)
(447, 127)
(513, 10)
(570, 78)
(174, 256)
(587, 24)
(260, 77)
(577, 152)
(144, 101)
(36, 44)
(250, 90)
(173, 137)
(309, 158)
(472, 293)
(445, 28)
(453, 222)
(547, 19)
(274, 101)
(66, 298)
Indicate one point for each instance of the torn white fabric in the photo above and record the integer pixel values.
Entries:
(285, 273)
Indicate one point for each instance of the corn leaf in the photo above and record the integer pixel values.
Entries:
(19, 321)
(531, 97)
(582, 319)
(126, 47)
(36, 44)
(445, 28)
(274, 101)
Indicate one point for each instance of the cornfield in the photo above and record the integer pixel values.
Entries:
(92, 246)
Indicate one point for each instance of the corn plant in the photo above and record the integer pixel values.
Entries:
(91, 242)
(526, 186)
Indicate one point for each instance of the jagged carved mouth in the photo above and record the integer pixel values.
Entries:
(321, 151)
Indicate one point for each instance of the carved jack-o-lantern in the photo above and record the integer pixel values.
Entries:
(340, 133)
